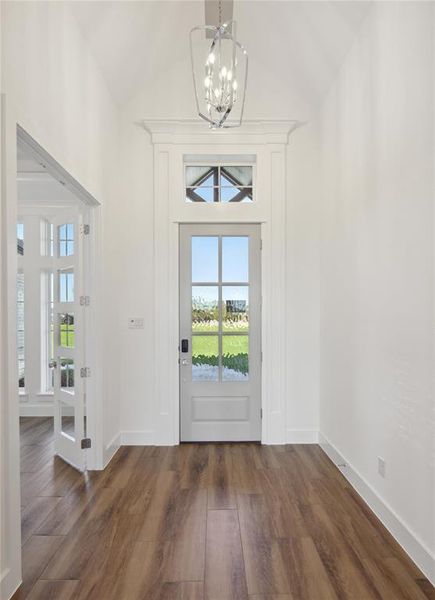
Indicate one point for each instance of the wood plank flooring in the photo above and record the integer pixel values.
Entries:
(203, 522)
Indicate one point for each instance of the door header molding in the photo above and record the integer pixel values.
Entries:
(194, 131)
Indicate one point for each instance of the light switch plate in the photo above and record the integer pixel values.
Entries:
(135, 322)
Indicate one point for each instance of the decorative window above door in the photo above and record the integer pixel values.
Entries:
(222, 183)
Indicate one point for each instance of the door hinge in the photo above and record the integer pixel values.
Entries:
(261, 354)
(85, 300)
(261, 244)
(86, 229)
(85, 372)
(261, 413)
(85, 443)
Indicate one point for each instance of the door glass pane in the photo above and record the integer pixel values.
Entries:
(66, 285)
(235, 259)
(235, 307)
(66, 239)
(66, 330)
(205, 317)
(67, 374)
(205, 259)
(205, 358)
(235, 362)
(67, 419)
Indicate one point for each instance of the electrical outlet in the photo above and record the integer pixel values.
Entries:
(381, 467)
(135, 323)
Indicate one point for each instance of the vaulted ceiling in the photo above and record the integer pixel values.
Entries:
(292, 45)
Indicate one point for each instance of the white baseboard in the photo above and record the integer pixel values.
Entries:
(413, 546)
(36, 410)
(147, 437)
(111, 449)
(9, 583)
(138, 438)
(302, 436)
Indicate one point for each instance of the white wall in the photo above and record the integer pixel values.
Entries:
(302, 285)
(53, 88)
(377, 259)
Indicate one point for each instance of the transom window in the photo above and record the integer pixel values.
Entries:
(230, 183)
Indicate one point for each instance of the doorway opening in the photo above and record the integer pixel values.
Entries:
(55, 271)
(220, 332)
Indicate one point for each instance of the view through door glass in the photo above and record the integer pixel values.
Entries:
(220, 308)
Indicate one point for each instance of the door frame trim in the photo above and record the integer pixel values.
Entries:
(91, 206)
(170, 209)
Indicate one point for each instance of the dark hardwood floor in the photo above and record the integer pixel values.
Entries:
(202, 522)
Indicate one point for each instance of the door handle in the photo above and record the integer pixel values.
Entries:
(184, 362)
(52, 364)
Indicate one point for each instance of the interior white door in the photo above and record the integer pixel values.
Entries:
(220, 332)
(68, 339)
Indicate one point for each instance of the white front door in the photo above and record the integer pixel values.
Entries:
(68, 339)
(220, 332)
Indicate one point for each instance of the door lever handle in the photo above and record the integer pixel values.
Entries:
(184, 362)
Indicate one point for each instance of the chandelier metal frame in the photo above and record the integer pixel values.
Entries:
(220, 100)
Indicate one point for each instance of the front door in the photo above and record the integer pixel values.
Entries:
(220, 332)
(68, 340)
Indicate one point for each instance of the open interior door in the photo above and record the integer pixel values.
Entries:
(69, 365)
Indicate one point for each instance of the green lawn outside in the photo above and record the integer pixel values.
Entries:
(67, 336)
(235, 350)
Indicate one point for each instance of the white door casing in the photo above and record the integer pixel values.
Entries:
(220, 332)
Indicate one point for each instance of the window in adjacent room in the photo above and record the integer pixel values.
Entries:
(20, 330)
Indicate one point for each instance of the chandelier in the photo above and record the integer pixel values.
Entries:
(220, 71)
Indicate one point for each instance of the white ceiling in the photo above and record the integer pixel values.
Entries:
(299, 43)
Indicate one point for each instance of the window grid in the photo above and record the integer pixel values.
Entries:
(66, 239)
(221, 334)
(217, 184)
(66, 330)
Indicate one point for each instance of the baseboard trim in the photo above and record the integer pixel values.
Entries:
(138, 438)
(302, 436)
(9, 583)
(147, 437)
(413, 546)
(111, 449)
(37, 410)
